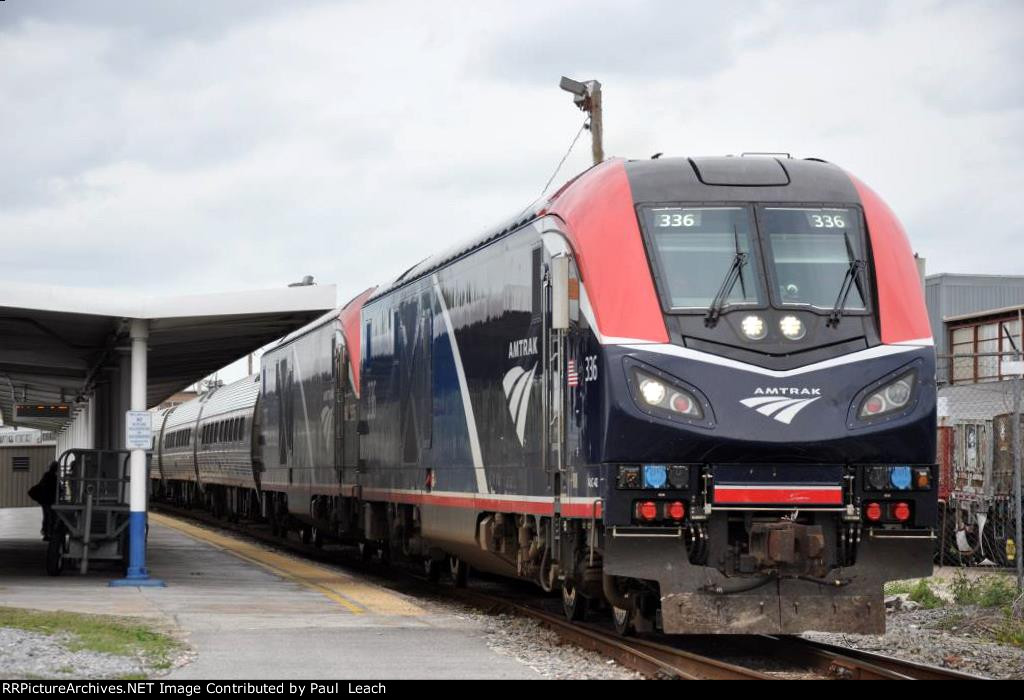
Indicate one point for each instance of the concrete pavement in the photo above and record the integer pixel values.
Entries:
(252, 613)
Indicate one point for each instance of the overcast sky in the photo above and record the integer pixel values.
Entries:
(182, 147)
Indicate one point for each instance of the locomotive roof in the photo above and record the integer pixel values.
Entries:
(699, 179)
(185, 414)
(331, 315)
(234, 396)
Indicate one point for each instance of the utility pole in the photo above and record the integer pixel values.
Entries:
(1018, 462)
(1016, 367)
(587, 96)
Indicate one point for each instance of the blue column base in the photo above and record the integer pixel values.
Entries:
(138, 582)
(138, 575)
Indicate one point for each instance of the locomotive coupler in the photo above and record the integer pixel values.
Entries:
(786, 547)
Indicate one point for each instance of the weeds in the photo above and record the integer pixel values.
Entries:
(983, 591)
(922, 594)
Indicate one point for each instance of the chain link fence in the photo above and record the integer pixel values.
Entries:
(979, 441)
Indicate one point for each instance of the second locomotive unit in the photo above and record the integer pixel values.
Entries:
(699, 392)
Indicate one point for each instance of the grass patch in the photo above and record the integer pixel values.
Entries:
(998, 594)
(922, 594)
(1011, 632)
(898, 587)
(984, 591)
(99, 633)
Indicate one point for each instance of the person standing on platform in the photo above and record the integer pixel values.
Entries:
(45, 494)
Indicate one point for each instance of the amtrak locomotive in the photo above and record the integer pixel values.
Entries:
(697, 392)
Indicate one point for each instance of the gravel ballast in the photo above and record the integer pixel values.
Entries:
(28, 655)
(940, 637)
(532, 644)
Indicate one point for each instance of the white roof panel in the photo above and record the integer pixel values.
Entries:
(60, 343)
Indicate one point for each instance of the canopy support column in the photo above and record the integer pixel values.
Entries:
(138, 574)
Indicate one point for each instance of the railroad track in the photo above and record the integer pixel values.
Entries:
(668, 659)
(681, 658)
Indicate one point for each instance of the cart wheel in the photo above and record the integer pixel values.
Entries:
(55, 552)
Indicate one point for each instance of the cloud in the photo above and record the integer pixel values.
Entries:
(188, 147)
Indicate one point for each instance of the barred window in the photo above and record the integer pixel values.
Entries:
(978, 349)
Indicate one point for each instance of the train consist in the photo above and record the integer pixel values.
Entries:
(699, 392)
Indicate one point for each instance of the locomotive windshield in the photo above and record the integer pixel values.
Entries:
(811, 253)
(695, 249)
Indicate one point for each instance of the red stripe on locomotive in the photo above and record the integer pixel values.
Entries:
(778, 495)
(602, 227)
(350, 328)
(901, 306)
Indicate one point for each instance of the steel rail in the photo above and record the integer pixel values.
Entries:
(648, 657)
(857, 664)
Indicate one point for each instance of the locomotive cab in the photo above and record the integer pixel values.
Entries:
(766, 436)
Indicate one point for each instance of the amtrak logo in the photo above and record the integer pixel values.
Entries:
(781, 403)
(517, 383)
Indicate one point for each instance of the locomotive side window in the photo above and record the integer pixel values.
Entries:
(696, 248)
(812, 251)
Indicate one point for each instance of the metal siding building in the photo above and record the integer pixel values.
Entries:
(24, 457)
(954, 295)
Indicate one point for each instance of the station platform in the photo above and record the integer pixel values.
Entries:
(249, 612)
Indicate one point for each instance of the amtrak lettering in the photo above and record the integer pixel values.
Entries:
(522, 348)
(783, 391)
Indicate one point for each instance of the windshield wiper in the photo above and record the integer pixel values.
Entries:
(852, 277)
(735, 272)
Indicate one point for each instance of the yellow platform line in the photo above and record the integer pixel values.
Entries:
(344, 590)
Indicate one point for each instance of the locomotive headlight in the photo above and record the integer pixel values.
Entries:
(753, 327)
(653, 391)
(890, 398)
(898, 393)
(792, 327)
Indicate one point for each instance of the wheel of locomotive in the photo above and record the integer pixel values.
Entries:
(624, 620)
(55, 551)
(460, 572)
(432, 568)
(367, 550)
(574, 604)
(306, 534)
(318, 538)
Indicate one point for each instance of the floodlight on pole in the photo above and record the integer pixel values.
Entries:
(587, 96)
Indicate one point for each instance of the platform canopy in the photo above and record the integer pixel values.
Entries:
(56, 343)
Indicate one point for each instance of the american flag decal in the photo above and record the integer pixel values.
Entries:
(572, 376)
